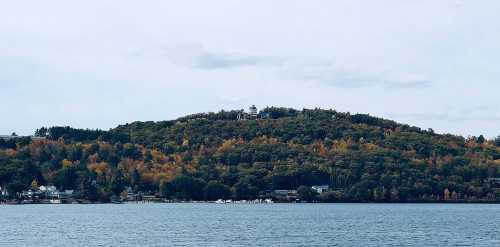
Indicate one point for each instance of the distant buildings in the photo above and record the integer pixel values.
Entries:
(47, 194)
(286, 195)
(492, 182)
(131, 196)
(252, 114)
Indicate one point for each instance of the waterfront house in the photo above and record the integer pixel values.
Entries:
(131, 196)
(285, 194)
(320, 188)
(49, 191)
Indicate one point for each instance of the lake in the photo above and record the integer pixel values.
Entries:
(207, 224)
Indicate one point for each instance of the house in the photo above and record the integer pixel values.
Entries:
(28, 194)
(50, 191)
(68, 193)
(285, 193)
(320, 188)
(131, 196)
(492, 182)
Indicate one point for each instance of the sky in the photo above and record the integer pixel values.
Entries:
(100, 63)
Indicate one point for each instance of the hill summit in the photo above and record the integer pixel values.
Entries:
(309, 154)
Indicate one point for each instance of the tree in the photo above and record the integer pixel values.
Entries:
(15, 186)
(216, 190)
(67, 178)
(34, 184)
(131, 151)
(163, 188)
(135, 178)
(481, 139)
(446, 194)
(42, 132)
(306, 194)
(117, 184)
(185, 187)
(363, 158)
(245, 191)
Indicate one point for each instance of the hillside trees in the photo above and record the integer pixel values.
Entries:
(213, 155)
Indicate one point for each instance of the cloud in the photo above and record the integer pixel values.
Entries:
(455, 114)
(225, 61)
(196, 56)
(474, 120)
(337, 75)
(448, 117)
(294, 67)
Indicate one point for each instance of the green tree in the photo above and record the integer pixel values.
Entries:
(497, 141)
(306, 194)
(481, 139)
(185, 187)
(117, 184)
(216, 190)
(245, 191)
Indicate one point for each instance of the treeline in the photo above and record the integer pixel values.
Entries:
(213, 155)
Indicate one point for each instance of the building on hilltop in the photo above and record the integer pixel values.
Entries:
(252, 113)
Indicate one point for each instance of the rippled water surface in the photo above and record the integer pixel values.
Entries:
(250, 225)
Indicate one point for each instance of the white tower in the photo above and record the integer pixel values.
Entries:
(252, 111)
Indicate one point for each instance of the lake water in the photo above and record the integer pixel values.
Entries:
(250, 225)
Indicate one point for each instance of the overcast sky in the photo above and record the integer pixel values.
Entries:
(97, 63)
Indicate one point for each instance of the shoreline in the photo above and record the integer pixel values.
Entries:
(242, 203)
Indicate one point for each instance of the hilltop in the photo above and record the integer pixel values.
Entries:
(238, 155)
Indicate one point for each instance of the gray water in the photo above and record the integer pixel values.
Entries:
(250, 225)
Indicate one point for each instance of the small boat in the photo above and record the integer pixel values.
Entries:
(55, 201)
(116, 200)
(268, 201)
(27, 202)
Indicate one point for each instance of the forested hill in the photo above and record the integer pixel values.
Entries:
(231, 154)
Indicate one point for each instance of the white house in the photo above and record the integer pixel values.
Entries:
(320, 188)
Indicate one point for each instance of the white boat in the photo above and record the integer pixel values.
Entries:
(55, 201)
(220, 201)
